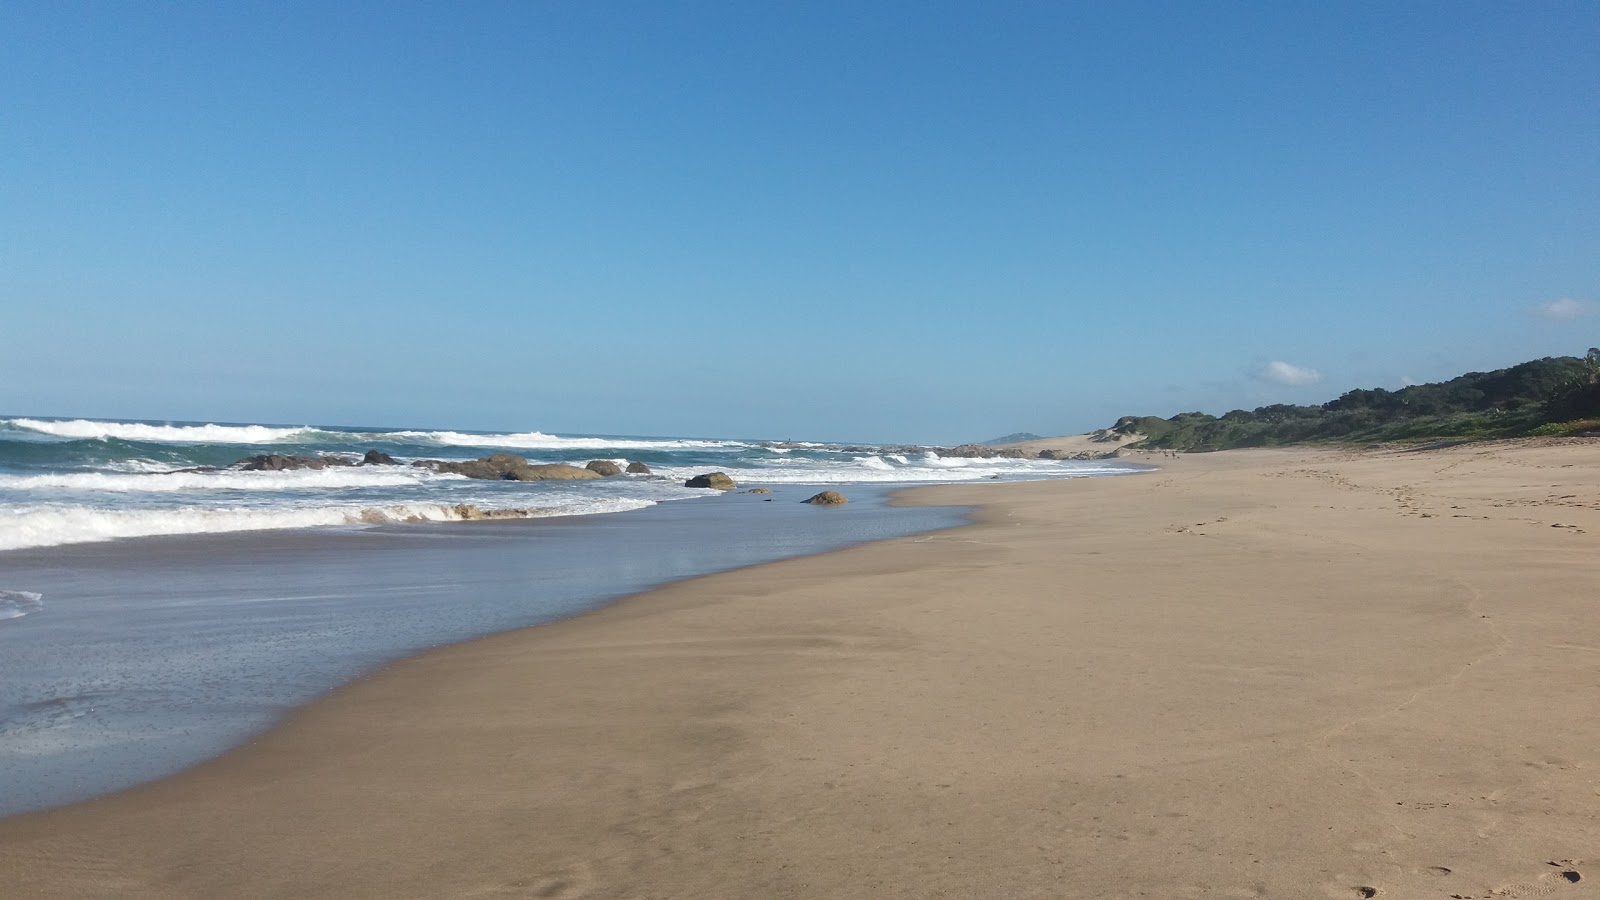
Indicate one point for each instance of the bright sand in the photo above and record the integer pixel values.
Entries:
(1252, 674)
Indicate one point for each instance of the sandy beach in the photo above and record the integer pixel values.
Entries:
(1250, 674)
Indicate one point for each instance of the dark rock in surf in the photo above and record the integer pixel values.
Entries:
(715, 480)
(277, 462)
(378, 458)
(827, 498)
(605, 467)
(638, 468)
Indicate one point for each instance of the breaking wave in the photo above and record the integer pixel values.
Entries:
(538, 440)
(228, 480)
(55, 525)
(16, 604)
(83, 429)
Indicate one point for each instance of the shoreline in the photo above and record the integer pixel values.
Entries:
(106, 689)
(1297, 673)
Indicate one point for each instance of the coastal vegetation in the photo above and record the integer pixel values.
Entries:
(1551, 396)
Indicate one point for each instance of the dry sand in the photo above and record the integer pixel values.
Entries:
(1253, 674)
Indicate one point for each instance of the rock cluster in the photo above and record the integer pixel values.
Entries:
(979, 451)
(508, 467)
(496, 467)
(1081, 454)
(276, 462)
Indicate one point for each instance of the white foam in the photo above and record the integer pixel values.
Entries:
(877, 463)
(49, 526)
(538, 440)
(83, 429)
(16, 604)
(884, 470)
(227, 480)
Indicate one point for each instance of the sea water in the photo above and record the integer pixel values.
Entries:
(71, 481)
(158, 607)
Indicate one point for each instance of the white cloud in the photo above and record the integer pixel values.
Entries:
(1280, 372)
(1564, 309)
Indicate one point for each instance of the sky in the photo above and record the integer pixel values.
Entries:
(887, 221)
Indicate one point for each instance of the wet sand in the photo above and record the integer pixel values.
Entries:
(1252, 674)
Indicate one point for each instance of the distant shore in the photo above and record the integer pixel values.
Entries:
(1280, 673)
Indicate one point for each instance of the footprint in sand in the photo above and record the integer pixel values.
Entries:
(1565, 874)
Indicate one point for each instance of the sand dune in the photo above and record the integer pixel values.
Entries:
(1251, 674)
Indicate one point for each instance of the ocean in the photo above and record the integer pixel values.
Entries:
(70, 481)
(159, 605)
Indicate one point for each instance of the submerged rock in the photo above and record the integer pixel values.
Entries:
(472, 512)
(759, 491)
(827, 498)
(378, 458)
(605, 467)
(276, 462)
(638, 468)
(716, 480)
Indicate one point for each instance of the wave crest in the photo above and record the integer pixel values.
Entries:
(16, 604)
(83, 429)
(49, 526)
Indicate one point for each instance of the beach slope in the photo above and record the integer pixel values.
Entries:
(1250, 674)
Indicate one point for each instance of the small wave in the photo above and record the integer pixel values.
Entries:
(538, 440)
(16, 604)
(49, 526)
(82, 429)
(878, 470)
(877, 463)
(227, 480)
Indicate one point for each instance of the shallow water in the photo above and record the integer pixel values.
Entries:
(126, 661)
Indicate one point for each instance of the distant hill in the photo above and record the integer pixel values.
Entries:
(1017, 438)
(1553, 396)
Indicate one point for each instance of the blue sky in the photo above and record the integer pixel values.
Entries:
(889, 221)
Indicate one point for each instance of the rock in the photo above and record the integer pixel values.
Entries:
(274, 462)
(378, 458)
(605, 467)
(717, 480)
(510, 467)
(827, 498)
(759, 491)
(638, 468)
(1048, 454)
